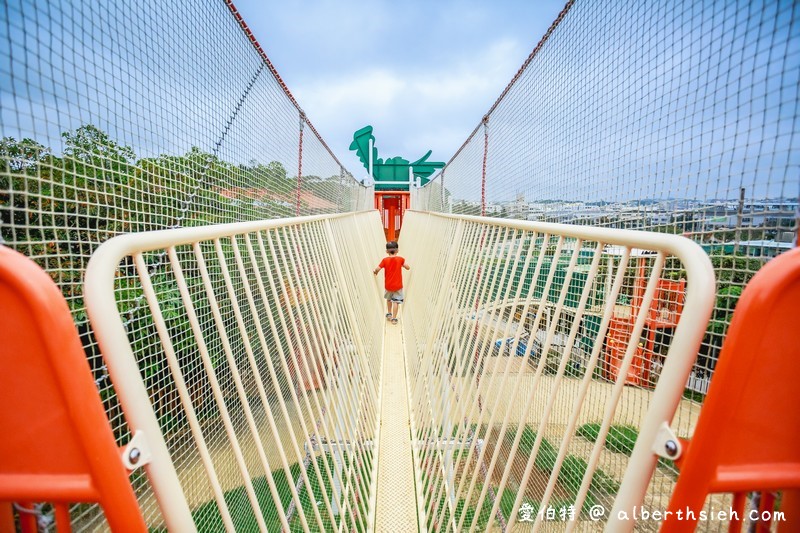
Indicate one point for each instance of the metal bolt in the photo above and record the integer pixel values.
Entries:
(671, 447)
(134, 455)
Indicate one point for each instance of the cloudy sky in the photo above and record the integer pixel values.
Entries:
(421, 73)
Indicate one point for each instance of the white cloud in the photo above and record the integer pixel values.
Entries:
(371, 92)
(422, 73)
(412, 110)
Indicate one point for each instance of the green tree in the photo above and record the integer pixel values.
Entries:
(733, 272)
(91, 146)
(17, 156)
(183, 190)
(58, 209)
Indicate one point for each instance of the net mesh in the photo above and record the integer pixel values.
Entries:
(261, 373)
(121, 117)
(533, 361)
(680, 117)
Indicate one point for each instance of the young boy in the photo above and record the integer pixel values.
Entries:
(393, 279)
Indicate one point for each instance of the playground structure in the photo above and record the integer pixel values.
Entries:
(662, 317)
(261, 433)
(194, 339)
(393, 179)
(392, 206)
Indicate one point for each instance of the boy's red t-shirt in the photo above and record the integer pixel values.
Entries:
(393, 276)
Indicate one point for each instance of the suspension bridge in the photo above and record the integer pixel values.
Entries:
(596, 333)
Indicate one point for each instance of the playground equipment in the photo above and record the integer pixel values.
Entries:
(286, 441)
(209, 372)
(250, 349)
(394, 179)
(392, 206)
(516, 421)
(57, 445)
(395, 173)
(747, 433)
(662, 318)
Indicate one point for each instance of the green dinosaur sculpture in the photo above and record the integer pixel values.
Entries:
(394, 168)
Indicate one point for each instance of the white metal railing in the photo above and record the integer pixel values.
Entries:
(546, 363)
(246, 358)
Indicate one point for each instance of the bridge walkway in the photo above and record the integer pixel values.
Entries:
(396, 499)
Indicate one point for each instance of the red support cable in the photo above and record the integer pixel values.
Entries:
(485, 123)
(527, 62)
(300, 164)
(274, 72)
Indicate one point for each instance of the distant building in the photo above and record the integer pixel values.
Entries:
(765, 249)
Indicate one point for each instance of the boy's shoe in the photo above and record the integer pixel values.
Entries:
(394, 321)
(388, 315)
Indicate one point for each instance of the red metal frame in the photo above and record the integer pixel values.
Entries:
(299, 166)
(392, 206)
(57, 444)
(749, 427)
(483, 166)
(664, 313)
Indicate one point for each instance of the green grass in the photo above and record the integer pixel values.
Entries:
(619, 439)
(208, 519)
(481, 519)
(571, 475)
(694, 396)
(573, 468)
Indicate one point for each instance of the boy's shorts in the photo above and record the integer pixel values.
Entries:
(395, 296)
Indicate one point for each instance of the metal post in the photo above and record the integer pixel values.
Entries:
(300, 164)
(340, 195)
(339, 435)
(442, 205)
(739, 211)
(483, 169)
(447, 429)
(370, 160)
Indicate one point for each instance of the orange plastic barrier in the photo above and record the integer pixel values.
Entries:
(748, 431)
(56, 445)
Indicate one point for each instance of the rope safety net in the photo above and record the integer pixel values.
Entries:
(535, 393)
(676, 117)
(123, 117)
(261, 370)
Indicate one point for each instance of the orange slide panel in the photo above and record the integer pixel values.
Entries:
(57, 444)
(749, 427)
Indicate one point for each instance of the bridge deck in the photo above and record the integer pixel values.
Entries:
(396, 499)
